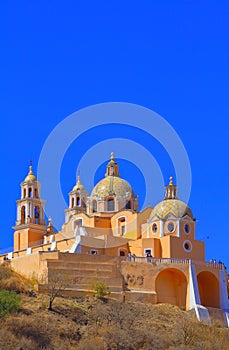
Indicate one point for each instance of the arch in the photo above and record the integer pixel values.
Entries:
(72, 203)
(171, 287)
(121, 225)
(30, 192)
(24, 192)
(122, 251)
(110, 204)
(23, 214)
(78, 201)
(209, 289)
(77, 222)
(94, 206)
(35, 193)
(37, 215)
(128, 204)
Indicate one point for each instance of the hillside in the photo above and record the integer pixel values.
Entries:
(90, 323)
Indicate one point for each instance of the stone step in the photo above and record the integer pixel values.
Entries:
(115, 293)
(115, 282)
(89, 258)
(83, 273)
(81, 266)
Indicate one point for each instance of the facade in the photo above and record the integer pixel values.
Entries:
(151, 256)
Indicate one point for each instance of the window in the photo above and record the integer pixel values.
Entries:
(35, 193)
(78, 201)
(73, 203)
(94, 206)
(171, 227)
(122, 253)
(154, 228)
(121, 226)
(187, 228)
(110, 204)
(30, 192)
(24, 192)
(78, 222)
(128, 205)
(36, 215)
(187, 245)
(22, 215)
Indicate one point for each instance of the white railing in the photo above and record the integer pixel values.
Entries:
(174, 261)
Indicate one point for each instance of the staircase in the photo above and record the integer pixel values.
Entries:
(80, 272)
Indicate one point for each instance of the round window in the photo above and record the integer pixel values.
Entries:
(170, 227)
(154, 228)
(187, 228)
(187, 246)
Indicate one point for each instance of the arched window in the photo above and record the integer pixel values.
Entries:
(23, 214)
(128, 205)
(110, 204)
(37, 215)
(94, 206)
(35, 193)
(24, 192)
(78, 201)
(78, 222)
(73, 203)
(122, 226)
(30, 192)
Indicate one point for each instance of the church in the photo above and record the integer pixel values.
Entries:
(148, 256)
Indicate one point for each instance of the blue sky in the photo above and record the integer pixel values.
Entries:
(169, 56)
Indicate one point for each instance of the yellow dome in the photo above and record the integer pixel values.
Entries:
(173, 207)
(30, 176)
(78, 186)
(111, 185)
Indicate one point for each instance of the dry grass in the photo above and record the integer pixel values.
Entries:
(92, 324)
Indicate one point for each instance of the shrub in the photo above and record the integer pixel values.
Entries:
(9, 302)
(101, 290)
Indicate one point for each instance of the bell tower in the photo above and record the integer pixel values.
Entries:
(30, 224)
(77, 200)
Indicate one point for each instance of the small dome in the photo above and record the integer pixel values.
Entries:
(173, 207)
(78, 186)
(30, 176)
(111, 185)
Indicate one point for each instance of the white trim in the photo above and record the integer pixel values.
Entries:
(161, 228)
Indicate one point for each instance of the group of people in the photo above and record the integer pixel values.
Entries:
(132, 257)
(219, 262)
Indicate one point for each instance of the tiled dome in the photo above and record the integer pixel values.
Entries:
(111, 185)
(173, 207)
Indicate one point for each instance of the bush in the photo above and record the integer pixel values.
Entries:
(9, 302)
(101, 290)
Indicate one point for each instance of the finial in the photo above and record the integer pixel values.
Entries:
(171, 181)
(112, 156)
(78, 176)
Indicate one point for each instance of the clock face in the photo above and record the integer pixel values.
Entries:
(170, 227)
(187, 228)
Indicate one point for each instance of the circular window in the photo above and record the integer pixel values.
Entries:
(187, 246)
(171, 227)
(187, 228)
(154, 228)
